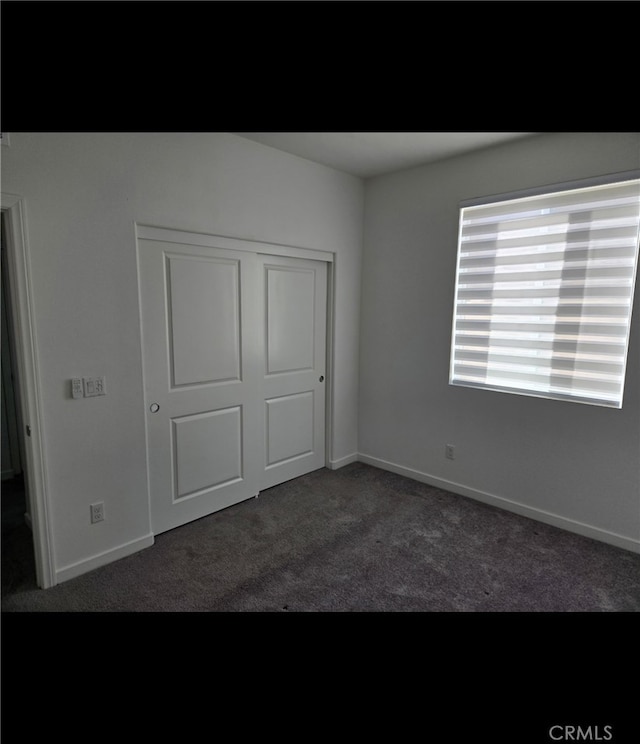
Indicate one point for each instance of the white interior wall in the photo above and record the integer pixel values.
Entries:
(572, 464)
(82, 194)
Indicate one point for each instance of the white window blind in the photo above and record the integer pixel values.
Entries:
(544, 290)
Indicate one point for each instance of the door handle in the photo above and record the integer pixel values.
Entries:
(321, 378)
(154, 408)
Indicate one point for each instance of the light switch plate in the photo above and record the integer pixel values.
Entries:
(77, 389)
(94, 386)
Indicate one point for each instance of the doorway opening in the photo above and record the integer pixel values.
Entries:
(19, 315)
(18, 556)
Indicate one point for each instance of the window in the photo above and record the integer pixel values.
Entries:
(544, 290)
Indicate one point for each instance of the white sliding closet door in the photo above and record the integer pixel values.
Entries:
(234, 348)
(294, 325)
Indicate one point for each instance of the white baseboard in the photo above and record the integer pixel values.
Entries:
(342, 461)
(620, 541)
(82, 567)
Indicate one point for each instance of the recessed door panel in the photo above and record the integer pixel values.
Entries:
(207, 450)
(289, 426)
(204, 308)
(290, 297)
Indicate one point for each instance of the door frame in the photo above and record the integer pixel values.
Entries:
(20, 301)
(170, 235)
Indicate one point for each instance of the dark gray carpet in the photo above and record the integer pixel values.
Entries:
(357, 539)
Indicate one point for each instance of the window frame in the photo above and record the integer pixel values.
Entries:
(547, 189)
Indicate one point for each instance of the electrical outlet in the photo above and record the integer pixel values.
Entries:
(450, 451)
(97, 512)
